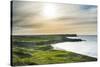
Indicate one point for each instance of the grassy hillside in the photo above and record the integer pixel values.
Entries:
(45, 55)
(42, 54)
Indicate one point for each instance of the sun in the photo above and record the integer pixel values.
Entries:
(49, 10)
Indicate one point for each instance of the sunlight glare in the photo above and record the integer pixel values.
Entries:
(49, 10)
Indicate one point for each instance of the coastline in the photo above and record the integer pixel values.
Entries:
(38, 50)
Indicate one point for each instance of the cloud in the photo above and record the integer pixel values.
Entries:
(28, 18)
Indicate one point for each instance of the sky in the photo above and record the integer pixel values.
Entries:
(33, 18)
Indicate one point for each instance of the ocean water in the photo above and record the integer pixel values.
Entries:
(88, 47)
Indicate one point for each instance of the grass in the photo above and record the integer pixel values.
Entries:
(43, 54)
(25, 56)
(43, 47)
(36, 39)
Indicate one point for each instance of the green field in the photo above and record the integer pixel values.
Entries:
(43, 54)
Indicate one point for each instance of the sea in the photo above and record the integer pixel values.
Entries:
(86, 47)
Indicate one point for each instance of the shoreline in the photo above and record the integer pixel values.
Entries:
(39, 50)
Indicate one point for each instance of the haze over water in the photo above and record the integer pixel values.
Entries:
(88, 47)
